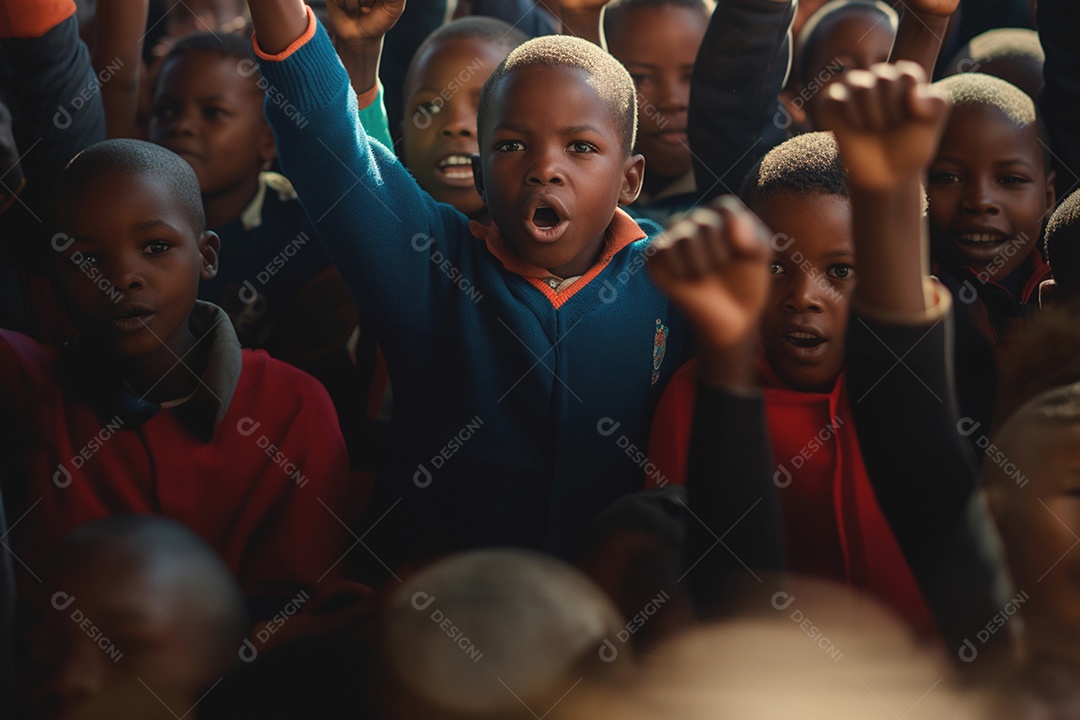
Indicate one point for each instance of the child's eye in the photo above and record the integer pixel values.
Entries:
(776, 269)
(580, 146)
(944, 178)
(214, 113)
(429, 107)
(509, 146)
(164, 112)
(841, 271)
(1013, 180)
(83, 259)
(639, 78)
(157, 247)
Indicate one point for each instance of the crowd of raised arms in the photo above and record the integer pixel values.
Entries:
(511, 359)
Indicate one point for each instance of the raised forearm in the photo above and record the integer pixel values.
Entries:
(919, 39)
(890, 241)
(117, 58)
(361, 60)
(278, 23)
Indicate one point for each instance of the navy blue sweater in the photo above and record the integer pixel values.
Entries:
(517, 416)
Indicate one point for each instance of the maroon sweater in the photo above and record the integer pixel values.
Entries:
(254, 461)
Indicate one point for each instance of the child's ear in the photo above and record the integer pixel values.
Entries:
(478, 177)
(633, 176)
(209, 249)
(1051, 194)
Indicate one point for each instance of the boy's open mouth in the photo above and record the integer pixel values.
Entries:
(545, 217)
(804, 339)
(546, 220)
(131, 318)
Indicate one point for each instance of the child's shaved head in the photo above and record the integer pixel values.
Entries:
(987, 90)
(185, 569)
(1012, 54)
(482, 29)
(466, 635)
(128, 604)
(805, 164)
(605, 75)
(1063, 245)
(132, 157)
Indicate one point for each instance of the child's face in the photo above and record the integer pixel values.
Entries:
(103, 640)
(855, 41)
(553, 167)
(658, 46)
(131, 274)
(1039, 524)
(988, 190)
(439, 129)
(813, 271)
(212, 116)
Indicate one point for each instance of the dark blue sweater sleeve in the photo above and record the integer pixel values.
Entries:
(380, 229)
(55, 98)
(55, 101)
(900, 380)
(735, 111)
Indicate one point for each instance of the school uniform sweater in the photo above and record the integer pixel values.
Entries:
(499, 381)
(253, 461)
(832, 524)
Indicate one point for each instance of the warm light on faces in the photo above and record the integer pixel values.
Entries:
(553, 167)
(989, 192)
(439, 130)
(658, 45)
(813, 272)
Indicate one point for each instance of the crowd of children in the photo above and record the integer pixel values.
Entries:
(568, 358)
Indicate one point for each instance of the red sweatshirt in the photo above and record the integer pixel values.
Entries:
(253, 462)
(833, 527)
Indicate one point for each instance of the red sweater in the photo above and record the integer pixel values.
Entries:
(248, 462)
(833, 527)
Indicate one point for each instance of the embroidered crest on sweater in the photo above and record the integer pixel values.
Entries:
(659, 349)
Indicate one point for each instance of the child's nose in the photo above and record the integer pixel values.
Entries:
(803, 293)
(978, 196)
(547, 171)
(183, 122)
(673, 94)
(459, 122)
(127, 277)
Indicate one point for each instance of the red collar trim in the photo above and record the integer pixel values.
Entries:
(622, 231)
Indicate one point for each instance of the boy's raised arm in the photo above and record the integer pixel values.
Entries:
(278, 23)
(378, 226)
(887, 123)
(359, 29)
(735, 114)
(715, 267)
(923, 24)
